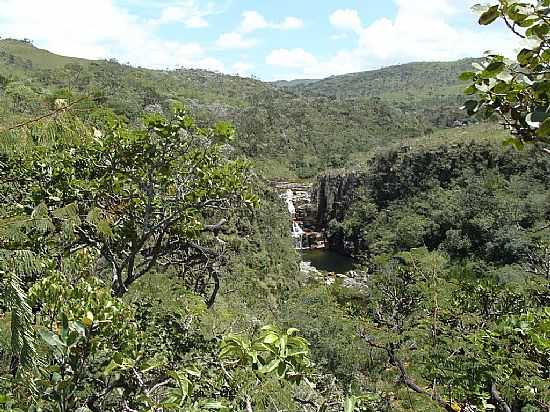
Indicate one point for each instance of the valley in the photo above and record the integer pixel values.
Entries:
(187, 240)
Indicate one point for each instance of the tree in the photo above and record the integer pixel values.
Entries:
(463, 343)
(517, 91)
(139, 199)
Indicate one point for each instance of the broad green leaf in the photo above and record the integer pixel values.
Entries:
(52, 339)
(467, 76)
(489, 16)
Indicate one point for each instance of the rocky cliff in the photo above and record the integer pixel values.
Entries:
(401, 172)
(333, 194)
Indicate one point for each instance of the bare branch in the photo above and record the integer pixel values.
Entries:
(501, 403)
(50, 114)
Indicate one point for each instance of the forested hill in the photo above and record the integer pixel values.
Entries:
(297, 131)
(421, 79)
(431, 89)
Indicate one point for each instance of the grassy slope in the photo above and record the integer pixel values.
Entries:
(41, 59)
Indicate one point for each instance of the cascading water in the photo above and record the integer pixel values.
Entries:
(317, 260)
(298, 235)
(297, 231)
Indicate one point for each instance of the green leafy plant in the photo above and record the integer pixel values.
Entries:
(273, 351)
(516, 90)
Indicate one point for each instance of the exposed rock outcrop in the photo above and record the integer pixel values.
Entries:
(333, 195)
(303, 215)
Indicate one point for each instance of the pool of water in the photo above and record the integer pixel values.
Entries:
(328, 261)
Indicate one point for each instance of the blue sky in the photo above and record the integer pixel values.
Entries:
(268, 39)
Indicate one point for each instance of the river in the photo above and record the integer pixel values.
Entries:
(328, 261)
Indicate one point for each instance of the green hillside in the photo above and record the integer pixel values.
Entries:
(431, 89)
(294, 129)
(30, 56)
(416, 80)
(152, 227)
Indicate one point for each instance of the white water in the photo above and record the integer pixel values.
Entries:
(297, 231)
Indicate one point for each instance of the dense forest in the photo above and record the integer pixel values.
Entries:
(146, 257)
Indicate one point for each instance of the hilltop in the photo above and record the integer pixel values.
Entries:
(411, 80)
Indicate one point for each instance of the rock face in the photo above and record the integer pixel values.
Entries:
(303, 215)
(333, 195)
(315, 206)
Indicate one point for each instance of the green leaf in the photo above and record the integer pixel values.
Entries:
(489, 16)
(349, 404)
(216, 405)
(494, 68)
(525, 56)
(467, 76)
(88, 320)
(514, 141)
(292, 331)
(470, 90)
(79, 328)
(51, 339)
(471, 106)
(270, 339)
(270, 367)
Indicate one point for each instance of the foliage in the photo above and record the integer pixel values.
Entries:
(456, 333)
(298, 133)
(138, 198)
(137, 276)
(516, 90)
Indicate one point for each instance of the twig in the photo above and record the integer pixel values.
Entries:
(499, 400)
(50, 114)
(403, 375)
(512, 27)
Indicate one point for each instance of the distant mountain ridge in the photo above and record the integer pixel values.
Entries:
(431, 89)
(420, 78)
(300, 127)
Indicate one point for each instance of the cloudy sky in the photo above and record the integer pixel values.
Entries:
(271, 39)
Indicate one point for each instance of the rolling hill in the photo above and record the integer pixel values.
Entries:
(295, 128)
(416, 80)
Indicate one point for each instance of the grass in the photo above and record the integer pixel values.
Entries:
(41, 59)
(482, 132)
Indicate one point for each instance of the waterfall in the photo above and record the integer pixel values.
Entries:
(298, 235)
(297, 231)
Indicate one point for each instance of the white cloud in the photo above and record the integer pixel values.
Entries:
(339, 36)
(196, 22)
(209, 63)
(290, 23)
(346, 20)
(242, 68)
(235, 41)
(421, 30)
(252, 21)
(294, 58)
(342, 62)
(188, 13)
(101, 29)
